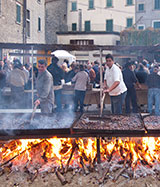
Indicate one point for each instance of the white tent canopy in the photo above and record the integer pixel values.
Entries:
(62, 55)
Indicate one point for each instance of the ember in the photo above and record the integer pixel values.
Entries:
(130, 157)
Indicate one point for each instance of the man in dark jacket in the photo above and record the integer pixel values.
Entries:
(58, 75)
(44, 85)
(130, 80)
(153, 83)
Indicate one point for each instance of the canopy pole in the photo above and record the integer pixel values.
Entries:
(32, 79)
(101, 80)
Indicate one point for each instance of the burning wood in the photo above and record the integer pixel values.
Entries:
(49, 154)
(86, 171)
(61, 178)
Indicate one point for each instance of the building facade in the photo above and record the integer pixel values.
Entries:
(22, 21)
(97, 22)
(55, 18)
(147, 14)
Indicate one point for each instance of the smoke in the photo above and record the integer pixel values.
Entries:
(15, 121)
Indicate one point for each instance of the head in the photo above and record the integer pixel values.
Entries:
(17, 64)
(156, 69)
(42, 66)
(129, 65)
(54, 60)
(89, 66)
(81, 67)
(109, 60)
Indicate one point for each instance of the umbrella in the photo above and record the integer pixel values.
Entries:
(62, 55)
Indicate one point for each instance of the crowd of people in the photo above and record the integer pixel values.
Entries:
(119, 82)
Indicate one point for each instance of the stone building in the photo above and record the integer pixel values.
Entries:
(147, 14)
(55, 18)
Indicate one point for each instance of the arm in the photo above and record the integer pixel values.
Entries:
(114, 85)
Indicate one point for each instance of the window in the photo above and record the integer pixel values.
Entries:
(74, 6)
(28, 23)
(141, 27)
(129, 22)
(109, 25)
(91, 4)
(18, 13)
(39, 24)
(81, 42)
(140, 7)
(109, 3)
(129, 2)
(87, 26)
(156, 24)
(74, 26)
(156, 4)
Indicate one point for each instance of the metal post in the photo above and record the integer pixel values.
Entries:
(101, 80)
(98, 151)
(32, 80)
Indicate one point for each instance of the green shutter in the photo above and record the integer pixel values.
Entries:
(109, 3)
(74, 6)
(39, 24)
(18, 13)
(129, 22)
(87, 26)
(129, 2)
(157, 4)
(74, 27)
(91, 4)
(109, 25)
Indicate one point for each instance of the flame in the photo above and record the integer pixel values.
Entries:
(131, 151)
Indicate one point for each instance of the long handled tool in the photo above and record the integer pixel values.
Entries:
(102, 104)
(33, 112)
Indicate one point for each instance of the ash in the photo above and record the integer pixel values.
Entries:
(22, 121)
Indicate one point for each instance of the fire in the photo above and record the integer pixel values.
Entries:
(64, 151)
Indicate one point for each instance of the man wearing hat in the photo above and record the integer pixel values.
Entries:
(57, 74)
(153, 83)
(17, 79)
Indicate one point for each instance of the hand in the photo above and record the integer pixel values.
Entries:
(106, 90)
(37, 102)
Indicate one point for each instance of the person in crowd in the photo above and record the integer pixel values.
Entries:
(65, 70)
(58, 75)
(96, 66)
(71, 73)
(92, 74)
(141, 74)
(130, 80)
(81, 80)
(17, 79)
(44, 85)
(153, 83)
(114, 85)
(2, 81)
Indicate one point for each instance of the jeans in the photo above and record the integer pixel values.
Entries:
(58, 97)
(154, 98)
(79, 98)
(117, 102)
(131, 98)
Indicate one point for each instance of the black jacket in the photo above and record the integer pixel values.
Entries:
(57, 73)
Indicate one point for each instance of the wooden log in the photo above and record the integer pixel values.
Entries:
(86, 171)
(101, 180)
(61, 178)
(6, 162)
(118, 174)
